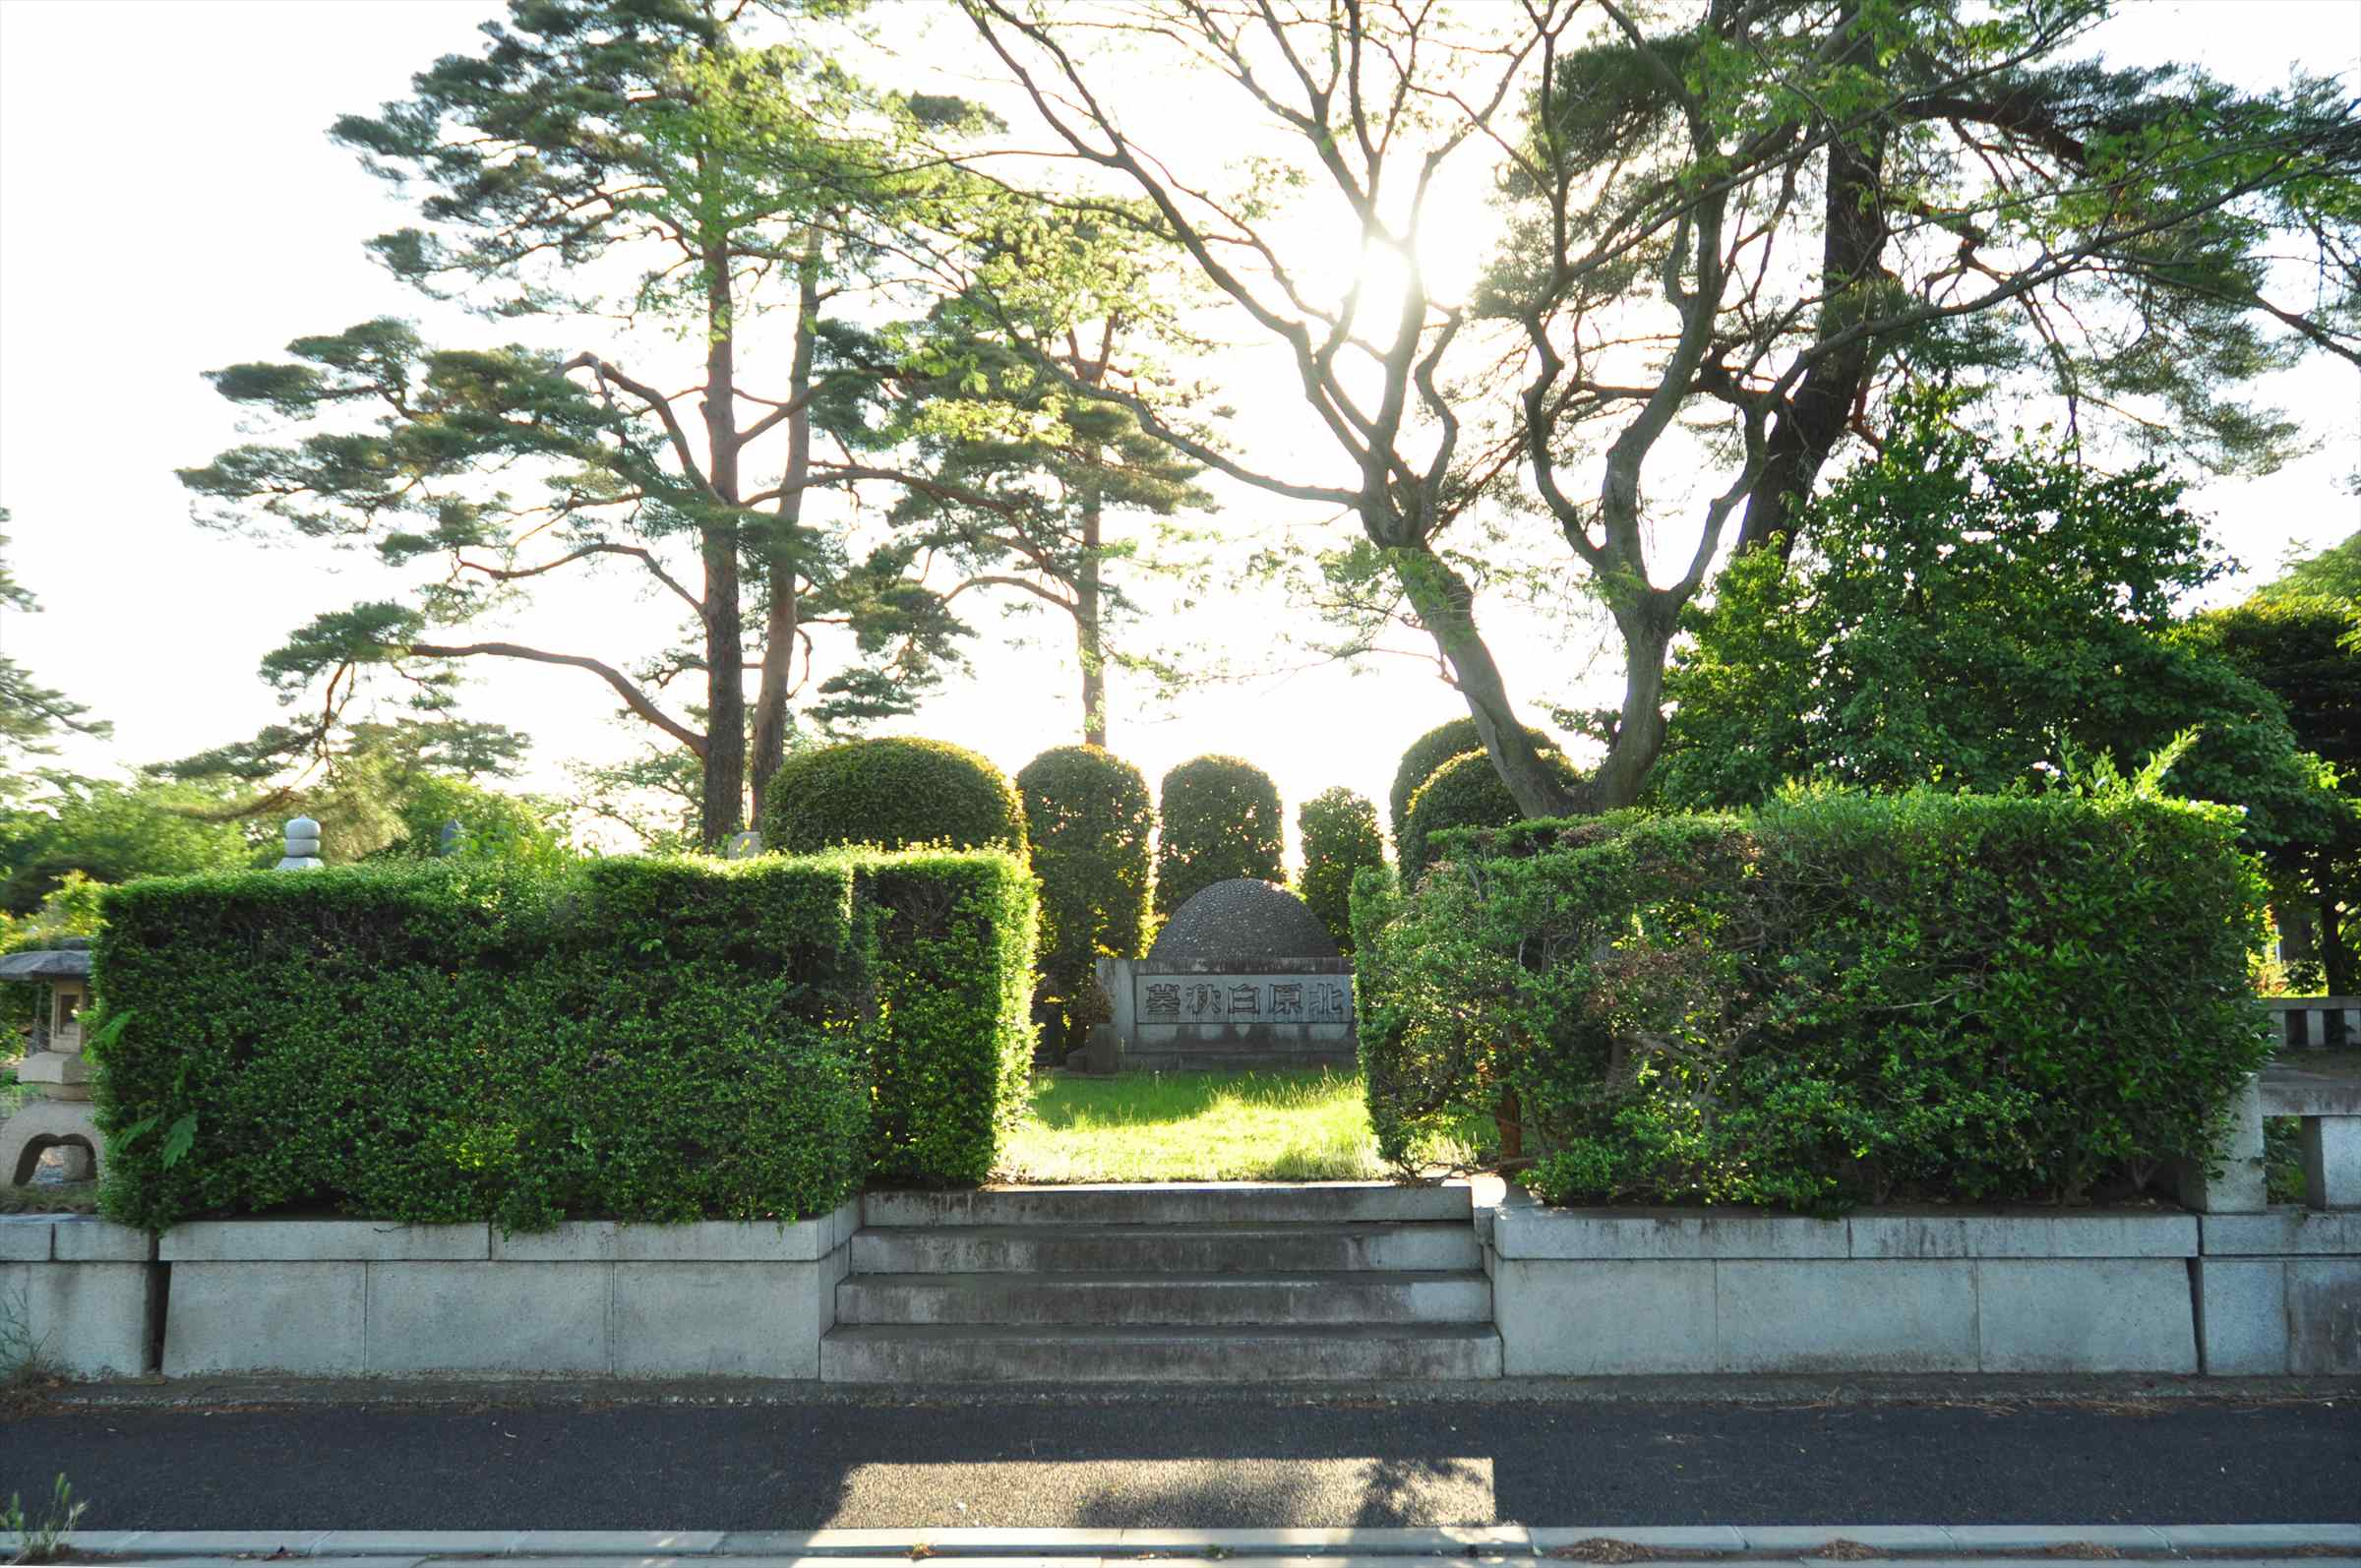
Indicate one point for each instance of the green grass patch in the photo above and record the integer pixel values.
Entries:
(63, 1197)
(1197, 1126)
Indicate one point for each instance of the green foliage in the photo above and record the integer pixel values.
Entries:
(24, 1360)
(1972, 616)
(1339, 830)
(1829, 999)
(1089, 821)
(892, 792)
(954, 1039)
(41, 1539)
(1218, 819)
(2300, 637)
(1430, 752)
(1465, 792)
(491, 825)
(33, 716)
(648, 1040)
(678, 167)
(110, 831)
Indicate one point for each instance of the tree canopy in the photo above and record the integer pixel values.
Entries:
(33, 716)
(1980, 618)
(638, 171)
(1734, 224)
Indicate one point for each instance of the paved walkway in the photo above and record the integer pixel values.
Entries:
(1354, 1460)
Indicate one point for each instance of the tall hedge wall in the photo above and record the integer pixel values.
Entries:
(1832, 1000)
(955, 938)
(1340, 837)
(1430, 751)
(1465, 792)
(1088, 817)
(1218, 820)
(651, 1040)
(892, 791)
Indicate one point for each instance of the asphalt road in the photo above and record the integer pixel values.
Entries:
(1194, 1464)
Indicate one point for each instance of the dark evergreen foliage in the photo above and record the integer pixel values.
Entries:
(1218, 818)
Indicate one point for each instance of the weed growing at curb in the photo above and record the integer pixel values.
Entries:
(44, 1541)
(24, 1356)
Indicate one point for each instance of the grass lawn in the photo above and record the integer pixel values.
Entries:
(1195, 1127)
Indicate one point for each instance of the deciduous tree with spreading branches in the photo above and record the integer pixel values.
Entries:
(1732, 226)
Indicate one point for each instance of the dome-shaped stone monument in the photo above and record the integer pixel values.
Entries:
(1243, 975)
(1246, 920)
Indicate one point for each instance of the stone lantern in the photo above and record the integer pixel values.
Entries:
(62, 1118)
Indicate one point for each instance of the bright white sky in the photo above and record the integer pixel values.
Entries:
(169, 203)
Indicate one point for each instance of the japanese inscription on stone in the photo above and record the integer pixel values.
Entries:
(1231, 999)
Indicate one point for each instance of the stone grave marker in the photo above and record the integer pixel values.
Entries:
(1243, 975)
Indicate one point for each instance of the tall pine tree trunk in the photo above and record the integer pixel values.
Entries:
(1851, 255)
(1089, 632)
(780, 604)
(721, 809)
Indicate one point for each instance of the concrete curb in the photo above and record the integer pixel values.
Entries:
(1241, 1548)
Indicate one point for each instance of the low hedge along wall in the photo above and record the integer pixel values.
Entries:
(648, 1040)
(1828, 1000)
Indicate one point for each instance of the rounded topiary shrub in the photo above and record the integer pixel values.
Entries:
(1339, 829)
(1465, 792)
(1220, 818)
(1089, 819)
(893, 793)
(1427, 752)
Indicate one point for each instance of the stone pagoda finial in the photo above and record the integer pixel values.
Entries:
(303, 846)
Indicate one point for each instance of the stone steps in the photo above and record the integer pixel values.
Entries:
(1154, 1301)
(1213, 1283)
(1217, 1059)
(1176, 1203)
(1165, 1248)
(1263, 1353)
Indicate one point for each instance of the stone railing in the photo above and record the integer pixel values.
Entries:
(2316, 1023)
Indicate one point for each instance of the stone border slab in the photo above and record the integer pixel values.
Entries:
(2282, 1230)
(71, 1239)
(324, 1242)
(1572, 1235)
(980, 1546)
(700, 1241)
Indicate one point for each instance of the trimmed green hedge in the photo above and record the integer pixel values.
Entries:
(1218, 820)
(1430, 752)
(1832, 1000)
(647, 1040)
(1339, 829)
(1465, 792)
(1090, 823)
(893, 793)
(954, 1032)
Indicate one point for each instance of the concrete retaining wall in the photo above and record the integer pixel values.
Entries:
(75, 1293)
(1607, 1292)
(355, 1299)
(1603, 1291)
(2280, 1291)
(1575, 1292)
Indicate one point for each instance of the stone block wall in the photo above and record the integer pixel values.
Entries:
(355, 1299)
(1603, 1293)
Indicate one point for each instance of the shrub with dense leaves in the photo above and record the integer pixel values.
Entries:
(1465, 792)
(647, 1040)
(1430, 752)
(953, 1051)
(1830, 999)
(1089, 819)
(1219, 819)
(892, 792)
(1339, 829)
